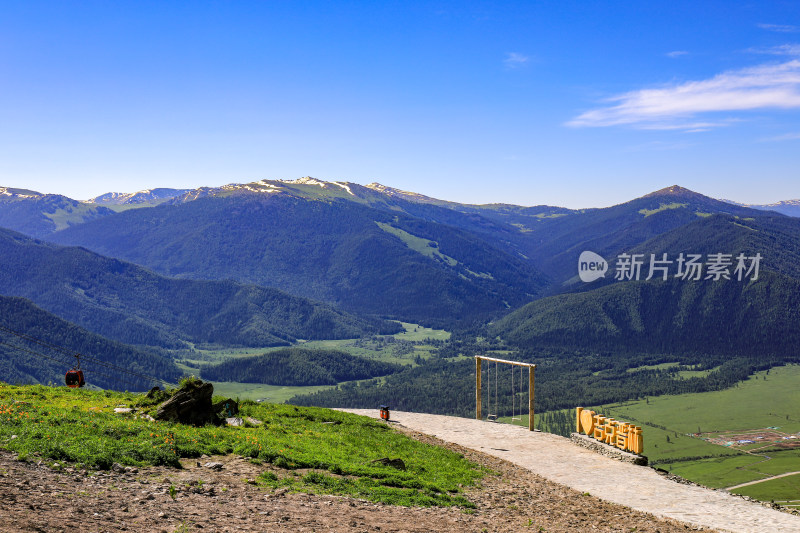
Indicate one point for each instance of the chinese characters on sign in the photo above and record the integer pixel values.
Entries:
(612, 432)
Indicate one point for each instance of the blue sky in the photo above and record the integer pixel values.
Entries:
(577, 104)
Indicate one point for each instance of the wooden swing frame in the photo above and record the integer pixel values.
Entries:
(531, 375)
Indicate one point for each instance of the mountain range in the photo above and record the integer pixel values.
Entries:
(787, 207)
(38, 214)
(323, 241)
(270, 262)
(147, 197)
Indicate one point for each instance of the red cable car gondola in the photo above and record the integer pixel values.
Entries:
(74, 379)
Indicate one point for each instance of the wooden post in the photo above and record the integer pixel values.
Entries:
(530, 397)
(478, 388)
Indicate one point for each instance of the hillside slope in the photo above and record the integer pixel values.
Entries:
(38, 214)
(759, 316)
(363, 259)
(131, 304)
(299, 366)
(22, 316)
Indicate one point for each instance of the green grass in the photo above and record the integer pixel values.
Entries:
(686, 374)
(718, 472)
(662, 207)
(422, 246)
(661, 366)
(761, 401)
(128, 207)
(412, 346)
(257, 391)
(415, 332)
(63, 218)
(309, 449)
(783, 490)
(766, 399)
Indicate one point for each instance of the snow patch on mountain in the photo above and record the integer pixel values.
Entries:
(146, 196)
(307, 180)
(344, 185)
(19, 193)
(786, 207)
(406, 195)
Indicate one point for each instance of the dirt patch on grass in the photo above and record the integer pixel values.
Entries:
(36, 497)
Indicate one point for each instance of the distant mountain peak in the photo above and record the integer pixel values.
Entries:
(308, 180)
(786, 207)
(406, 195)
(19, 193)
(305, 180)
(146, 196)
(676, 191)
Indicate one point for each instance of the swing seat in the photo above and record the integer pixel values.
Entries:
(491, 418)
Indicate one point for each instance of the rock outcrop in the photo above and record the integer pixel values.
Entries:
(190, 404)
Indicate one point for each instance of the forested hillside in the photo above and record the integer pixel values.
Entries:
(38, 215)
(758, 318)
(564, 379)
(22, 367)
(131, 304)
(362, 259)
(298, 366)
(726, 316)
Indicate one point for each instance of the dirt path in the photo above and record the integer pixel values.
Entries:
(640, 488)
(36, 497)
(740, 485)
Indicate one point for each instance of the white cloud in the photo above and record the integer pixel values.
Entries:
(782, 50)
(515, 60)
(770, 86)
(780, 28)
(784, 137)
(676, 53)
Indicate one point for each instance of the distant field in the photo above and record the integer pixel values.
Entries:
(782, 490)
(766, 400)
(415, 332)
(696, 435)
(257, 391)
(403, 348)
(379, 347)
(685, 374)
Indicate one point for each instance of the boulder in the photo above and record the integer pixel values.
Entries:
(190, 404)
(226, 408)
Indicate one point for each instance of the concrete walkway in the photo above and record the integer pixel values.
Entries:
(557, 459)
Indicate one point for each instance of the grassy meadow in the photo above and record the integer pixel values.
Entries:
(257, 391)
(405, 348)
(305, 449)
(675, 428)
